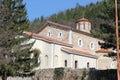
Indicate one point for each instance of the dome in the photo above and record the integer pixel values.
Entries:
(84, 25)
(82, 19)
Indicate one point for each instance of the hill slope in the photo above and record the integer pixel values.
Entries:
(101, 15)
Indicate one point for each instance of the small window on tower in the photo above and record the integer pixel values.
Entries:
(83, 26)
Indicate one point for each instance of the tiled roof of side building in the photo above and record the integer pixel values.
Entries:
(56, 24)
(48, 39)
(102, 50)
(78, 52)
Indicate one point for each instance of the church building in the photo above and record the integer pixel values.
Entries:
(64, 46)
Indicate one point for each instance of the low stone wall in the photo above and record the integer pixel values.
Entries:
(76, 74)
(70, 74)
(44, 74)
(19, 78)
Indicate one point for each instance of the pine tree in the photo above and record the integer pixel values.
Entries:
(13, 47)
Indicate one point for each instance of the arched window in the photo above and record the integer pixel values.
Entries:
(91, 45)
(80, 42)
(88, 65)
(55, 60)
(49, 33)
(60, 35)
(113, 65)
(83, 26)
(46, 60)
(76, 64)
(65, 63)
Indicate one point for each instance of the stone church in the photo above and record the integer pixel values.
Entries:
(64, 46)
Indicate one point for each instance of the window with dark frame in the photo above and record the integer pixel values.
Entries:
(65, 63)
(76, 64)
(88, 64)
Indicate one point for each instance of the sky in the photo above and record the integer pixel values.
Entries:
(38, 8)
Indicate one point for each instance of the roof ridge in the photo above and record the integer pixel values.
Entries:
(79, 51)
(54, 23)
(48, 39)
(58, 24)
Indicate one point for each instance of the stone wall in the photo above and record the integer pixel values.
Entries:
(70, 74)
(44, 74)
(18, 78)
(55, 32)
(77, 74)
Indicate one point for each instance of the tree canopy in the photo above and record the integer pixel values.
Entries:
(15, 50)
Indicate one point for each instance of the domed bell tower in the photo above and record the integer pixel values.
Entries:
(84, 25)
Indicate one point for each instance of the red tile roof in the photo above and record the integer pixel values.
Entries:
(78, 52)
(48, 39)
(56, 24)
(63, 27)
(82, 19)
(102, 50)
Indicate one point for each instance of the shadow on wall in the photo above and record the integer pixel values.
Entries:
(110, 74)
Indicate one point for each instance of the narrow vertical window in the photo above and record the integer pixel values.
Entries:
(76, 64)
(65, 63)
(60, 35)
(46, 60)
(91, 45)
(49, 33)
(83, 26)
(80, 43)
(88, 65)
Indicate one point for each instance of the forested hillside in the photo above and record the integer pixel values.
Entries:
(101, 15)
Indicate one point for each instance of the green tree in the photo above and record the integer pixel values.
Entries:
(14, 48)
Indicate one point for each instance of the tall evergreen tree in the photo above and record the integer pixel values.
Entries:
(13, 47)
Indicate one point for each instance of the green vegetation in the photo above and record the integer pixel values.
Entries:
(14, 51)
(15, 56)
(101, 15)
(84, 74)
(58, 74)
(102, 74)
